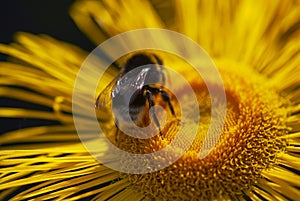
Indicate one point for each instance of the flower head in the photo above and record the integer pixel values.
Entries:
(255, 48)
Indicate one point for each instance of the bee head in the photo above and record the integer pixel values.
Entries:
(140, 59)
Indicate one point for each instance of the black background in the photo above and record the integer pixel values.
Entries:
(40, 16)
(49, 17)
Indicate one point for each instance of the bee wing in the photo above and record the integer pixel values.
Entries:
(122, 85)
(132, 82)
(105, 97)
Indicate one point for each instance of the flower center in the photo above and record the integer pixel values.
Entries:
(249, 143)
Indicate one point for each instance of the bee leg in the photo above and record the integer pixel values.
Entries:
(117, 135)
(150, 101)
(117, 130)
(166, 98)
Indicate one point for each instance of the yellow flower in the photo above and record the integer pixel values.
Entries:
(256, 49)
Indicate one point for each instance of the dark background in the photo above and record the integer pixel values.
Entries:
(39, 17)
